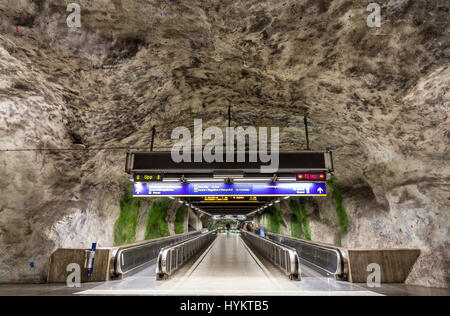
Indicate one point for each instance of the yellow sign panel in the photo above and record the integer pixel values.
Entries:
(210, 199)
(147, 177)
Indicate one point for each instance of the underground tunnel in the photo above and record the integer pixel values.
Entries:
(134, 129)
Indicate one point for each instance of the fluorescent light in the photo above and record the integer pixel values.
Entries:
(253, 180)
(247, 180)
(202, 180)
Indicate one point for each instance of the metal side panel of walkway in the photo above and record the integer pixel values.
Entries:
(227, 267)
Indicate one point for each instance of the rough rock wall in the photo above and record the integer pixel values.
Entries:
(279, 223)
(170, 217)
(377, 96)
(411, 220)
(191, 219)
(141, 224)
(194, 220)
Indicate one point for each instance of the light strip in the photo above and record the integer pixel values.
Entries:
(240, 180)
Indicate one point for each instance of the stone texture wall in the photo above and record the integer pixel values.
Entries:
(192, 220)
(410, 220)
(378, 97)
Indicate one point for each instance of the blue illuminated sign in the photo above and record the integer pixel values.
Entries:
(237, 217)
(223, 189)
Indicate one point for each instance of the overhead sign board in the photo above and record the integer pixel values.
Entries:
(148, 177)
(311, 176)
(223, 189)
(238, 217)
(161, 162)
(220, 199)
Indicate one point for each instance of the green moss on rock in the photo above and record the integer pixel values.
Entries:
(156, 220)
(274, 219)
(125, 226)
(179, 219)
(340, 209)
(300, 226)
(296, 227)
(305, 220)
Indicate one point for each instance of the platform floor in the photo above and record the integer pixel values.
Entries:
(227, 267)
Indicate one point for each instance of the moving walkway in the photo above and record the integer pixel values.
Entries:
(286, 253)
(295, 258)
(328, 261)
(130, 259)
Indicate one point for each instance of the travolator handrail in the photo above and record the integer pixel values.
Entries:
(327, 260)
(173, 257)
(282, 256)
(129, 259)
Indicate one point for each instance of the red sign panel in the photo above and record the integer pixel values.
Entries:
(311, 176)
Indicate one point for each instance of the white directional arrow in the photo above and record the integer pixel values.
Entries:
(139, 188)
(320, 190)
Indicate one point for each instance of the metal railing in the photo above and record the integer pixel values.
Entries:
(173, 257)
(130, 259)
(327, 260)
(284, 257)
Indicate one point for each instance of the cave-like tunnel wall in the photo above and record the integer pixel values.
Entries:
(377, 96)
